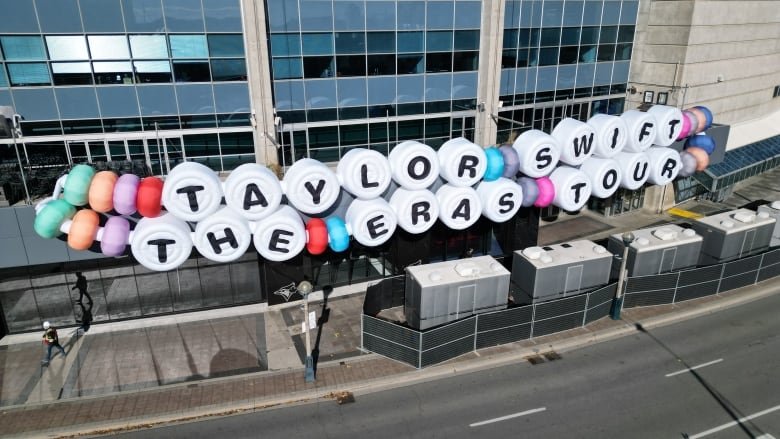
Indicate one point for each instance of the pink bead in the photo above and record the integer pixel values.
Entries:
(546, 192)
(686, 128)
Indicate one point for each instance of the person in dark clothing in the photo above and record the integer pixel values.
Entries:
(81, 284)
(51, 339)
(86, 317)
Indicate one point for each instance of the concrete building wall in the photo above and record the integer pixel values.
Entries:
(724, 54)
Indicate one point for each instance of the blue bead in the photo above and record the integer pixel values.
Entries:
(338, 238)
(702, 141)
(495, 164)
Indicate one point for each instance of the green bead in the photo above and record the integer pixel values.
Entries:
(50, 218)
(76, 188)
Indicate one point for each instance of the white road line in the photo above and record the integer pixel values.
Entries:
(504, 418)
(733, 423)
(694, 367)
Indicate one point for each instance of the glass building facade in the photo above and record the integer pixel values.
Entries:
(141, 85)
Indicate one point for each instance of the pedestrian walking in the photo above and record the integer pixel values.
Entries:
(81, 285)
(51, 339)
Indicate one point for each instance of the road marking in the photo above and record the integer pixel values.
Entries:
(504, 418)
(694, 367)
(733, 423)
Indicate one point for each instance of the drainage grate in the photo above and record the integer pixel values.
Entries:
(552, 356)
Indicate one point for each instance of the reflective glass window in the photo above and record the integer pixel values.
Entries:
(606, 52)
(228, 70)
(37, 104)
(119, 72)
(592, 13)
(464, 85)
(3, 78)
(188, 46)
(464, 61)
(628, 12)
(350, 42)
(438, 62)
(152, 71)
(351, 65)
(531, 14)
(608, 34)
(468, 14)
(318, 66)
(410, 42)
(349, 15)
(23, 48)
(568, 55)
(411, 63)
(552, 13)
(71, 73)
(438, 41)
(546, 78)
(231, 98)
(572, 12)
(320, 93)
(316, 15)
(183, 16)
(67, 48)
(611, 13)
(289, 95)
(117, 101)
(410, 88)
(625, 34)
(222, 16)
(585, 74)
(77, 102)
(440, 15)
(380, 15)
(148, 46)
(590, 35)
(381, 42)
(381, 64)
(143, 15)
(18, 17)
(285, 44)
(588, 53)
(108, 46)
(548, 56)
(28, 74)
(603, 73)
(287, 68)
(58, 16)
(620, 72)
(317, 44)
(191, 71)
(195, 98)
(101, 15)
(570, 36)
(352, 92)
(466, 40)
(510, 38)
(551, 36)
(381, 91)
(157, 100)
(282, 15)
(411, 15)
(226, 45)
(438, 87)
(623, 52)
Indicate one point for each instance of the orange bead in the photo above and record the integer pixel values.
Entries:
(702, 158)
(101, 191)
(83, 229)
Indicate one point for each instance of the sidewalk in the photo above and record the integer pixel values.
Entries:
(186, 366)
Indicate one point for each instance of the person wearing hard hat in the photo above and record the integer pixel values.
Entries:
(51, 339)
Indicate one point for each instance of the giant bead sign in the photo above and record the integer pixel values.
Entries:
(368, 196)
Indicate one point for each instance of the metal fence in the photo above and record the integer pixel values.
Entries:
(425, 348)
(684, 285)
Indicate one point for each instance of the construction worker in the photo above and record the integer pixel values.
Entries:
(51, 339)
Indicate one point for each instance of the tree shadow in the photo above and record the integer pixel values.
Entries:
(747, 427)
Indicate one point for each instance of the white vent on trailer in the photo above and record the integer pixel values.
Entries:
(665, 234)
(533, 252)
(467, 269)
(744, 217)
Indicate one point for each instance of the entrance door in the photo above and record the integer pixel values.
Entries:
(573, 279)
(667, 260)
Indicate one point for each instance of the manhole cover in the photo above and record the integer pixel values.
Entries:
(536, 359)
(552, 356)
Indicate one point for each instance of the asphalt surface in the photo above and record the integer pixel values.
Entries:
(681, 380)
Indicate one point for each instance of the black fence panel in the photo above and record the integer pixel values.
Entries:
(447, 352)
(648, 298)
(557, 324)
(559, 307)
(745, 265)
(598, 312)
(699, 275)
(654, 282)
(772, 257)
(391, 331)
(508, 334)
(505, 318)
(599, 303)
(738, 281)
(768, 272)
(449, 333)
(391, 350)
(695, 291)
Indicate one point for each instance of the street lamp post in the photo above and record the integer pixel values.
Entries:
(617, 303)
(305, 288)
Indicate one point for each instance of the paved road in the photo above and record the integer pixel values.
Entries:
(613, 389)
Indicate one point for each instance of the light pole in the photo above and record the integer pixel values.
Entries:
(305, 288)
(617, 303)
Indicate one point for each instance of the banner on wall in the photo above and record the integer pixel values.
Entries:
(369, 196)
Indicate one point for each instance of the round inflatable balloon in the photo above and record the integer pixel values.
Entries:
(688, 164)
(364, 173)
(572, 188)
(546, 192)
(311, 186)
(149, 197)
(530, 190)
(693, 121)
(113, 242)
(280, 236)
(76, 188)
(83, 229)
(501, 199)
(372, 222)
(511, 161)
(665, 165)
(51, 217)
(604, 174)
(634, 168)
(642, 129)
(414, 165)
(161, 243)
(538, 153)
(670, 124)
(461, 162)
(611, 134)
(459, 207)
(192, 191)
(125, 193)
(707, 115)
(701, 119)
(224, 236)
(702, 141)
(576, 140)
(101, 191)
(253, 191)
(686, 127)
(495, 164)
(417, 211)
(702, 158)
